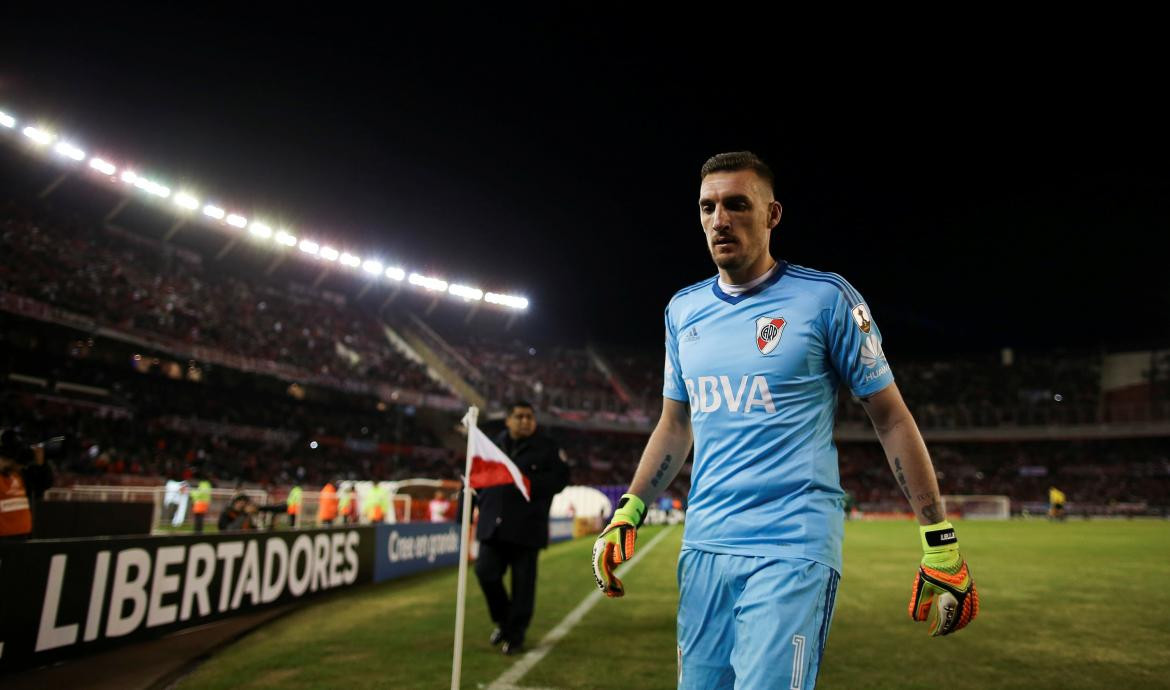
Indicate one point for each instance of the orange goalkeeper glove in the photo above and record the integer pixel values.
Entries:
(943, 579)
(615, 544)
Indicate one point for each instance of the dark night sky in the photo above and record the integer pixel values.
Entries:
(979, 195)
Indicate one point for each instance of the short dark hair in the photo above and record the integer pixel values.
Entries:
(519, 403)
(739, 160)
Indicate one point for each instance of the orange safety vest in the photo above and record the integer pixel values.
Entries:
(15, 517)
(201, 496)
(327, 504)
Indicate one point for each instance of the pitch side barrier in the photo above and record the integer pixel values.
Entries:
(61, 598)
(65, 597)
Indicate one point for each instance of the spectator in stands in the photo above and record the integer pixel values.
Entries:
(512, 530)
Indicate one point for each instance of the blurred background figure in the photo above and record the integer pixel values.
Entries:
(15, 514)
(201, 502)
(175, 500)
(438, 507)
(375, 501)
(327, 505)
(293, 503)
(348, 505)
(1056, 502)
(240, 514)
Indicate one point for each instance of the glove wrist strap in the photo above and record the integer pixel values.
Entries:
(938, 537)
(629, 505)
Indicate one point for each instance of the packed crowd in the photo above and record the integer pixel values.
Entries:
(140, 286)
(165, 416)
(1090, 472)
(556, 377)
(100, 445)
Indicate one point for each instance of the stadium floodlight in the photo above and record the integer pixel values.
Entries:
(506, 300)
(428, 283)
(468, 293)
(185, 200)
(69, 151)
(39, 136)
(104, 167)
(151, 187)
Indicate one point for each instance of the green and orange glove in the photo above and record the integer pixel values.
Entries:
(615, 544)
(944, 581)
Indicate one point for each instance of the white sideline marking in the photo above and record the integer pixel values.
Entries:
(508, 680)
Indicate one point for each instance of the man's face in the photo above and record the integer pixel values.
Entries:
(737, 212)
(521, 422)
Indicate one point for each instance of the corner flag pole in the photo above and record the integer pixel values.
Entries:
(470, 420)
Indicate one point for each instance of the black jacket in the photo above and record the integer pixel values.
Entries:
(504, 515)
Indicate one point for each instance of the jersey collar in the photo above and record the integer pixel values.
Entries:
(781, 267)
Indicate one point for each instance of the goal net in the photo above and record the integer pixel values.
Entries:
(971, 507)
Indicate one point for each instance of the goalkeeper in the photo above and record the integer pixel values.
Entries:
(761, 552)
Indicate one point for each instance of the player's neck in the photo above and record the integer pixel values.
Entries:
(749, 273)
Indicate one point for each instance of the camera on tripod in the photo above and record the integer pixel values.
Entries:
(14, 447)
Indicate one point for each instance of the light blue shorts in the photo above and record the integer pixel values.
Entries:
(752, 622)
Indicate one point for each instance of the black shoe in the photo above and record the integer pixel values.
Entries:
(497, 637)
(511, 649)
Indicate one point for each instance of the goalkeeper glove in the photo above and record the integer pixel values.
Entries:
(943, 579)
(615, 544)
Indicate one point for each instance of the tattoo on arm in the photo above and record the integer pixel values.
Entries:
(661, 471)
(932, 512)
(901, 477)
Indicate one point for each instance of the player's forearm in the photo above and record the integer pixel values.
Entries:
(910, 462)
(665, 453)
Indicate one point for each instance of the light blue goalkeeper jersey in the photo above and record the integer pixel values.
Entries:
(760, 372)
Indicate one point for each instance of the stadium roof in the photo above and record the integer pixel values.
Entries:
(185, 201)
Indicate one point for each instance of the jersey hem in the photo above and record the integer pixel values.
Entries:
(765, 551)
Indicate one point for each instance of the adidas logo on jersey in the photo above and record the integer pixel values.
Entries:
(690, 335)
(713, 393)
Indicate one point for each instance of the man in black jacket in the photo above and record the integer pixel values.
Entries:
(511, 530)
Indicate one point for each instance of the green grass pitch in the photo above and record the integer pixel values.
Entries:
(1071, 605)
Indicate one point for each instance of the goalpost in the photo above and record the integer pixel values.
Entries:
(978, 507)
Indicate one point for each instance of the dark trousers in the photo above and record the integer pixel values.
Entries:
(199, 522)
(511, 616)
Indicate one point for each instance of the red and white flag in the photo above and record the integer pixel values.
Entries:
(490, 466)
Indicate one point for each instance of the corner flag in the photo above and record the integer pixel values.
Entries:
(491, 466)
